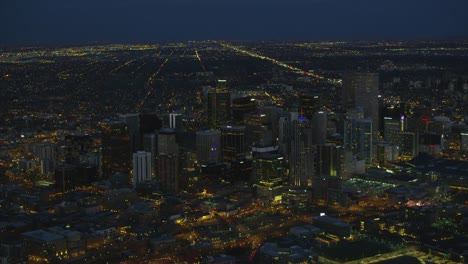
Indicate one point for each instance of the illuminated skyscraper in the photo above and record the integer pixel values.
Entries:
(407, 145)
(233, 143)
(358, 138)
(208, 146)
(219, 105)
(301, 156)
(141, 167)
(392, 130)
(361, 90)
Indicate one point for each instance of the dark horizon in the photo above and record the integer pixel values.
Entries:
(58, 23)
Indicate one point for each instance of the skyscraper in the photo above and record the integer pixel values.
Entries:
(141, 167)
(301, 156)
(361, 90)
(241, 106)
(328, 160)
(358, 138)
(208, 146)
(168, 161)
(133, 124)
(392, 130)
(150, 144)
(219, 105)
(309, 104)
(319, 127)
(116, 148)
(233, 143)
(167, 141)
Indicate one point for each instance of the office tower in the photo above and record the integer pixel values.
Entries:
(301, 156)
(309, 104)
(46, 153)
(268, 175)
(168, 161)
(66, 177)
(208, 146)
(241, 106)
(133, 125)
(168, 172)
(328, 160)
(464, 141)
(392, 129)
(319, 127)
(116, 148)
(150, 144)
(361, 90)
(233, 143)
(75, 144)
(407, 145)
(219, 105)
(386, 153)
(358, 138)
(268, 169)
(258, 129)
(142, 168)
(167, 141)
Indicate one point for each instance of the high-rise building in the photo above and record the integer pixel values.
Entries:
(168, 172)
(319, 127)
(328, 160)
(233, 143)
(219, 105)
(116, 148)
(168, 161)
(361, 90)
(208, 146)
(385, 153)
(46, 153)
(464, 141)
(241, 106)
(167, 141)
(392, 130)
(268, 169)
(301, 156)
(150, 144)
(141, 167)
(310, 104)
(358, 138)
(65, 177)
(407, 145)
(133, 125)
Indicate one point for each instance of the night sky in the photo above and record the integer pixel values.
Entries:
(132, 21)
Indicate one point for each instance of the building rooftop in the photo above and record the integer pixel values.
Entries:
(42, 235)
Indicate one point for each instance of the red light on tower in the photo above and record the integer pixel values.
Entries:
(425, 119)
